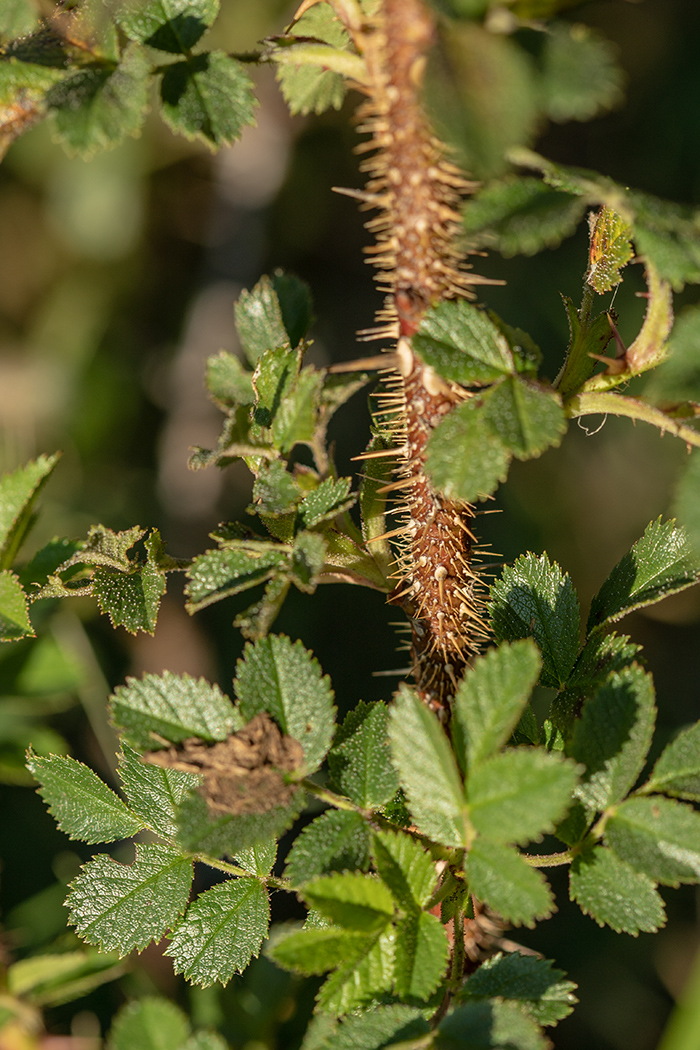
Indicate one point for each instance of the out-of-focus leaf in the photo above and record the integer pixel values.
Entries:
(149, 1024)
(17, 18)
(49, 980)
(466, 458)
(310, 88)
(678, 376)
(677, 771)
(169, 25)
(519, 215)
(208, 96)
(228, 382)
(259, 320)
(313, 951)
(361, 982)
(18, 491)
(14, 615)
(381, 1027)
(580, 76)
(491, 1026)
(351, 900)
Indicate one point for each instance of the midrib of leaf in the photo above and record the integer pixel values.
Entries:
(138, 889)
(224, 921)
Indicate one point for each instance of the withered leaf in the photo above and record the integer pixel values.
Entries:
(242, 774)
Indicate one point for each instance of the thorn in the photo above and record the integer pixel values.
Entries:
(375, 363)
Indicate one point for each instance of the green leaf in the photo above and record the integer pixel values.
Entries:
(307, 88)
(171, 706)
(405, 867)
(336, 841)
(125, 906)
(132, 600)
(283, 678)
(518, 215)
(98, 106)
(687, 500)
(308, 560)
(17, 19)
(525, 979)
(466, 459)
(50, 980)
(154, 792)
(491, 698)
(421, 955)
(18, 491)
(427, 770)
(533, 598)
(221, 932)
(352, 900)
(462, 344)
(149, 1024)
(259, 320)
(613, 736)
(14, 609)
(612, 893)
(362, 981)
(255, 621)
(228, 382)
(500, 877)
(258, 859)
(580, 76)
(677, 771)
(658, 837)
(205, 1040)
(208, 96)
(662, 562)
(360, 761)
(82, 805)
(489, 1026)
(314, 951)
(169, 25)
(678, 376)
(329, 499)
(297, 417)
(519, 795)
(382, 1027)
(218, 574)
(610, 250)
(275, 491)
(526, 416)
(601, 655)
(296, 305)
(584, 340)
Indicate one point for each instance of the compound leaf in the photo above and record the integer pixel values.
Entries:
(82, 804)
(526, 416)
(612, 893)
(336, 841)
(171, 706)
(221, 932)
(499, 876)
(310, 88)
(125, 906)
(360, 761)
(533, 598)
(405, 867)
(208, 96)
(662, 562)
(427, 770)
(282, 678)
(232, 833)
(358, 983)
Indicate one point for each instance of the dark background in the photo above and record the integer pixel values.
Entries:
(117, 279)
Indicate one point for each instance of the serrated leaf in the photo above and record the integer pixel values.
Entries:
(149, 1024)
(404, 866)
(360, 761)
(314, 951)
(466, 459)
(131, 600)
(489, 1026)
(173, 707)
(221, 932)
(259, 320)
(208, 96)
(98, 106)
(427, 770)
(228, 382)
(585, 340)
(296, 305)
(580, 76)
(255, 621)
(613, 736)
(169, 25)
(421, 955)
(362, 981)
(154, 792)
(18, 491)
(82, 804)
(323, 503)
(518, 215)
(14, 609)
(462, 344)
(499, 876)
(612, 893)
(658, 837)
(662, 562)
(526, 416)
(296, 420)
(533, 598)
(338, 840)
(381, 1027)
(125, 906)
(307, 88)
(231, 833)
(353, 901)
(258, 859)
(284, 679)
(525, 979)
(276, 493)
(218, 574)
(519, 795)
(491, 698)
(50, 980)
(610, 249)
(307, 561)
(677, 771)
(601, 655)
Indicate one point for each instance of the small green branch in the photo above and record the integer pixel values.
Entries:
(457, 964)
(233, 869)
(616, 405)
(548, 860)
(337, 801)
(578, 364)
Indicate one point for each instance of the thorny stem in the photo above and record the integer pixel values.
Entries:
(548, 860)
(608, 403)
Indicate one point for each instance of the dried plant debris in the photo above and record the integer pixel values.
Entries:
(244, 773)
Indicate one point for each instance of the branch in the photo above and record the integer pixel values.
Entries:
(606, 403)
